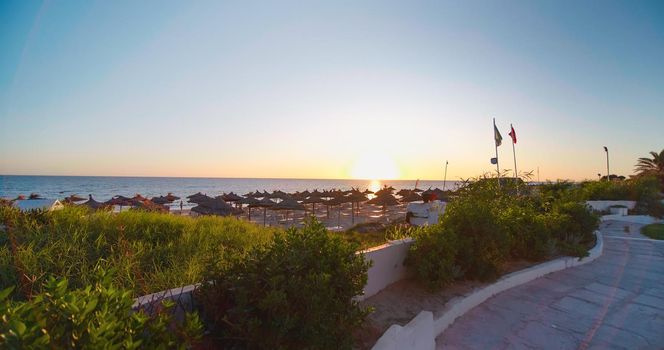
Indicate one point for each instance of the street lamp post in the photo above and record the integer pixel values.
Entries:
(608, 173)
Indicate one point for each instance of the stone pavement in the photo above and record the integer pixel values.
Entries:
(614, 302)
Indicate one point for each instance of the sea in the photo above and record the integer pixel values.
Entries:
(103, 188)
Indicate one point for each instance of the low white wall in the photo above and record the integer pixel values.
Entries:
(418, 334)
(455, 308)
(634, 219)
(387, 267)
(604, 205)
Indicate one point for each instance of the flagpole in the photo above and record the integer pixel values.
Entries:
(516, 173)
(445, 178)
(496, 143)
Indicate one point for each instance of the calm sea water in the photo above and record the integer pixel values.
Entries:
(103, 188)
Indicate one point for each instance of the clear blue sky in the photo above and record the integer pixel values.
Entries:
(315, 88)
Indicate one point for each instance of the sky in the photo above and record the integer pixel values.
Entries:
(329, 89)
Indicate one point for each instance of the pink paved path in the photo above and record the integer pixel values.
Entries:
(614, 302)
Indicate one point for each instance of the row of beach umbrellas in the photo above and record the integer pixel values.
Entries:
(231, 204)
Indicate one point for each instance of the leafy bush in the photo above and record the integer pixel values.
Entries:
(294, 292)
(432, 256)
(483, 244)
(488, 224)
(607, 190)
(149, 251)
(572, 225)
(99, 316)
(648, 196)
(654, 231)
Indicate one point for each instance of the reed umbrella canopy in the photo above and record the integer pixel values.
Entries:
(171, 197)
(411, 196)
(93, 204)
(231, 197)
(73, 198)
(264, 203)
(199, 198)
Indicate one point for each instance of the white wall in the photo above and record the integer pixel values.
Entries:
(397, 337)
(388, 265)
(604, 205)
(387, 268)
(418, 334)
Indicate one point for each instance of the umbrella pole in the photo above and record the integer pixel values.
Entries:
(264, 216)
(352, 212)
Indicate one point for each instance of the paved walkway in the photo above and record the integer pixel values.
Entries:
(614, 302)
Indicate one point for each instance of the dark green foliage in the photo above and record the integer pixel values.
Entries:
(474, 216)
(96, 317)
(432, 256)
(654, 231)
(607, 190)
(487, 224)
(648, 197)
(295, 292)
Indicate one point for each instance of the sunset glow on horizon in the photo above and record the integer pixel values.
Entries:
(371, 89)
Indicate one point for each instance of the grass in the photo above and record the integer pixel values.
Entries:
(654, 231)
(149, 252)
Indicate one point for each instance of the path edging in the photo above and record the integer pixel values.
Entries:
(456, 308)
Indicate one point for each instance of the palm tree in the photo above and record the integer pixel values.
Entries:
(652, 166)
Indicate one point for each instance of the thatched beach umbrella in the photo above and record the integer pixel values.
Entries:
(313, 199)
(171, 198)
(215, 206)
(385, 190)
(411, 197)
(149, 205)
(384, 200)
(337, 202)
(356, 197)
(288, 204)
(120, 201)
(93, 204)
(249, 201)
(263, 203)
(160, 200)
(199, 198)
(231, 197)
(73, 198)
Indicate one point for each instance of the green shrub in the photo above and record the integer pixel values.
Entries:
(654, 231)
(294, 292)
(98, 316)
(483, 244)
(432, 256)
(607, 190)
(648, 199)
(488, 224)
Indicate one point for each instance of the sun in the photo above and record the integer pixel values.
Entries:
(375, 166)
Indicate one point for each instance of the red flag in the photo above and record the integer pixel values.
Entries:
(512, 134)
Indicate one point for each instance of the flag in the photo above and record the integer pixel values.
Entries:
(497, 136)
(512, 134)
(606, 149)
